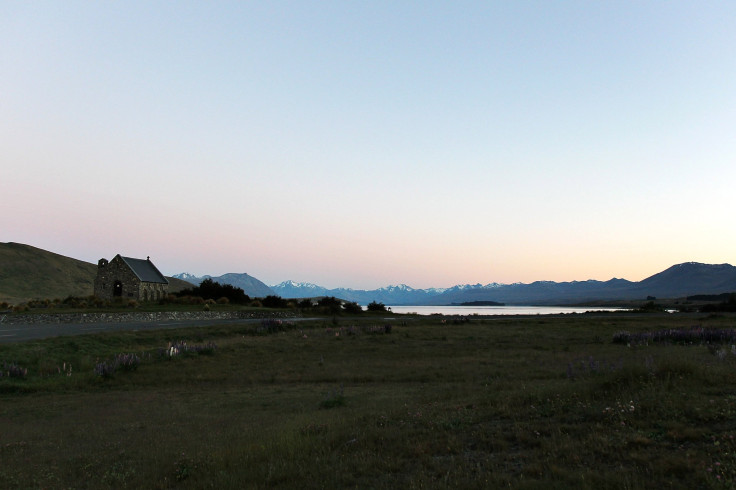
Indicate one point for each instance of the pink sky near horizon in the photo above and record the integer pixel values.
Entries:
(349, 146)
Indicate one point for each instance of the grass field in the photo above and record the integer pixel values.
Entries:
(522, 402)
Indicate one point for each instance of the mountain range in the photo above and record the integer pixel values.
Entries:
(678, 281)
(27, 272)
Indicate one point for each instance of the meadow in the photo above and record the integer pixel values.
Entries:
(415, 402)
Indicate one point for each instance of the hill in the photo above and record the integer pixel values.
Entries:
(28, 272)
(691, 278)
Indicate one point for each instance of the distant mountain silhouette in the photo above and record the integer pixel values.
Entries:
(678, 281)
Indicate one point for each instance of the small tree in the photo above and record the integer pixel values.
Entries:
(273, 301)
(305, 303)
(331, 304)
(209, 289)
(352, 307)
(374, 306)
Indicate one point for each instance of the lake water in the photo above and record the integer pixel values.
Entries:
(499, 310)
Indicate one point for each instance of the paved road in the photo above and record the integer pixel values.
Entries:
(21, 333)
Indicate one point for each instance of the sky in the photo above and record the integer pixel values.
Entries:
(367, 143)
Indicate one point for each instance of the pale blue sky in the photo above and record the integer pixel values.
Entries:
(362, 144)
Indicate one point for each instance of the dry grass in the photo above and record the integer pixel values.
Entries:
(527, 403)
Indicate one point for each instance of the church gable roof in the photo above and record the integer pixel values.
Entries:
(145, 270)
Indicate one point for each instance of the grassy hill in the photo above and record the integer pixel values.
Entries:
(28, 272)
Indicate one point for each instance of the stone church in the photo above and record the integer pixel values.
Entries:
(128, 278)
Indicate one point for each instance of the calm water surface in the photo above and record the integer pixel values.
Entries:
(499, 310)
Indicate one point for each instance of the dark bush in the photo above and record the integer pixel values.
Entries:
(374, 306)
(650, 306)
(273, 301)
(330, 304)
(352, 307)
(725, 306)
(305, 303)
(209, 289)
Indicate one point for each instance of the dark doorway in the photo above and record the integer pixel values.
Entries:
(117, 289)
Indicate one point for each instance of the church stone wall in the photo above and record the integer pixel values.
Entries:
(153, 291)
(117, 277)
(116, 272)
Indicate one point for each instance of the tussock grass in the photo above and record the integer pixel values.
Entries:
(498, 402)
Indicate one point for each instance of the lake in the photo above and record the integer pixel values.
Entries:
(499, 310)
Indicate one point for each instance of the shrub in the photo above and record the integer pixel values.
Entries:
(650, 306)
(273, 301)
(375, 306)
(223, 300)
(728, 305)
(209, 289)
(124, 362)
(305, 303)
(127, 362)
(190, 300)
(12, 370)
(330, 304)
(352, 307)
(38, 303)
(180, 347)
(104, 369)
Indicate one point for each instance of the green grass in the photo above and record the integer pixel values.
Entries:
(486, 404)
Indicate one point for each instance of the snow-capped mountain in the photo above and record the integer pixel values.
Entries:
(400, 294)
(185, 276)
(292, 289)
(678, 281)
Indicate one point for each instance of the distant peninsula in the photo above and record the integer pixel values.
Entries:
(479, 303)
